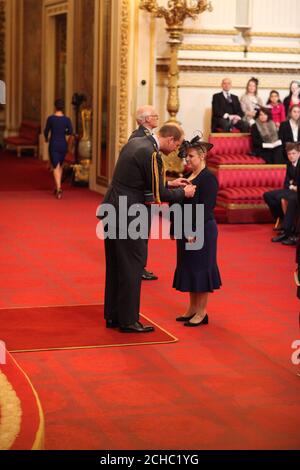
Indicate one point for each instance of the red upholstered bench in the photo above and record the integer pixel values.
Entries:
(243, 178)
(233, 131)
(242, 188)
(27, 138)
(251, 176)
(232, 149)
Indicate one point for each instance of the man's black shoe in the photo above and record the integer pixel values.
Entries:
(148, 276)
(136, 327)
(279, 238)
(112, 324)
(290, 241)
(278, 226)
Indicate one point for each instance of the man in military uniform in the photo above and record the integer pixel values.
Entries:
(147, 120)
(139, 171)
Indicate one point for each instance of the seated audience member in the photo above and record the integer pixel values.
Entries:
(227, 113)
(298, 270)
(293, 97)
(277, 108)
(250, 101)
(298, 243)
(289, 193)
(289, 131)
(265, 142)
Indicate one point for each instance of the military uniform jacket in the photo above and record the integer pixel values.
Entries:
(133, 175)
(141, 131)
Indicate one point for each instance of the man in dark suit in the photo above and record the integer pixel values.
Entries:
(138, 172)
(298, 230)
(298, 269)
(147, 120)
(286, 132)
(226, 110)
(289, 193)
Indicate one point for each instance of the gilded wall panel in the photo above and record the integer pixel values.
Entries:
(86, 72)
(32, 41)
(2, 38)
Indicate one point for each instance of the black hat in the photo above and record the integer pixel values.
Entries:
(195, 143)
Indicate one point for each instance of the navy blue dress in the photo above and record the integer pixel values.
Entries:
(59, 126)
(197, 270)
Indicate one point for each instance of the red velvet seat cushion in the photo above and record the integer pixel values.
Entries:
(252, 177)
(17, 140)
(233, 131)
(230, 145)
(234, 159)
(232, 151)
(28, 134)
(253, 195)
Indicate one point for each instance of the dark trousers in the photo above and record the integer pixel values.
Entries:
(272, 156)
(289, 221)
(227, 125)
(125, 260)
(273, 200)
(149, 230)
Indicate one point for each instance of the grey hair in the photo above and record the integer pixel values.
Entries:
(141, 117)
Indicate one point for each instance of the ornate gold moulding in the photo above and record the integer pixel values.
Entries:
(231, 69)
(174, 13)
(235, 48)
(247, 61)
(233, 32)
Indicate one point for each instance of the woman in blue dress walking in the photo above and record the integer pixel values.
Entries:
(58, 125)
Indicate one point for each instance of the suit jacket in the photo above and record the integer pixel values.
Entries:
(286, 134)
(291, 174)
(133, 175)
(220, 106)
(298, 225)
(141, 131)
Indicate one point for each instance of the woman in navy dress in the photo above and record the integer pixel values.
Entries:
(58, 125)
(197, 270)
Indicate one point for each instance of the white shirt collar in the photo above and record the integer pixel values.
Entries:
(292, 123)
(226, 93)
(157, 141)
(149, 129)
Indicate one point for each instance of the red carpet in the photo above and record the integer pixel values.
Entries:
(67, 327)
(21, 415)
(228, 385)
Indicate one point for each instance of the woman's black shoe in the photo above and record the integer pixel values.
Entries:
(58, 193)
(182, 318)
(204, 321)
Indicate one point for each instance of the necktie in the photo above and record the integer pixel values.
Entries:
(228, 97)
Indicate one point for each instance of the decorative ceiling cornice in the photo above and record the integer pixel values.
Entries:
(231, 69)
